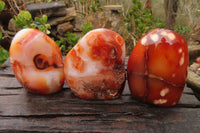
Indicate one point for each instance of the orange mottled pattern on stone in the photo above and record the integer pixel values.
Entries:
(158, 61)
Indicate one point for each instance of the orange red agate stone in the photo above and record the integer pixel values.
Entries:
(157, 68)
(36, 62)
(94, 68)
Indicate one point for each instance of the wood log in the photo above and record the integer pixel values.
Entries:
(48, 8)
(194, 51)
(112, 7)
(64, 28)
(23, 112)
(71, 11)
(195, 32)
(60, 12)
(193, 81)
(56, 21)
(71, 14)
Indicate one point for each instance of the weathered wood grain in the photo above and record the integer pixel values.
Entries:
(48, 8)
(21, 111)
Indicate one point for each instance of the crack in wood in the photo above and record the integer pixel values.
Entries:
(7, 75)
(189, 93)
(8, 94)
(23, 131)
(12, 88)
(50, 115)
(139, 114)
(180, 105)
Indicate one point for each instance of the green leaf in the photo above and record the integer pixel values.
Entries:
(148, 21)
(72, 39)
(1, 35)
(4, 54)
(86, 28)
(141, 20)
(42, 20)
(129, 28)
(48, 32)
(139, 4)
(134, 1)
(127, 20)
(45, 18)
(130, 12)
(41, 24)
(23, 19)
(181, 29)
(39, 20)
(48, 26)
(2, 5)
(62, 48)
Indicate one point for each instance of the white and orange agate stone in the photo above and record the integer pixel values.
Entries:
(94, 68)
(37, 62)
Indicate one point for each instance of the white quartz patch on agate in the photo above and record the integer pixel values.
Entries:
(170, 36)
(180, 50)
(164, 92)
(91, 67)
(53, 79)
(157, 37)
(181, 61)
(154, 37)
(160, 101)
(143, 41)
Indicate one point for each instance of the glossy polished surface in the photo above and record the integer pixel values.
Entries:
(36, 62)
(94, 68)
(157, 68)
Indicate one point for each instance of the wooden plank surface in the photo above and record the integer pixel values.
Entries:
(21, 111)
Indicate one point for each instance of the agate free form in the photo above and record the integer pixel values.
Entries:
(94, 68)
(37, 62)
(157, 68)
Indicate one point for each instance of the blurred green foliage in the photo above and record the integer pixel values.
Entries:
(180, 29)
(86, 28)
(1, 35)
(140, 20)
(91, 5)
(41, 24)
(24, 20)
(66, 44)
(4, 54)
(2, 5)
(71, 39)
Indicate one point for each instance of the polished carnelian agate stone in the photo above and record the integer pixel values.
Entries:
(94, 68)
(157, 68)
(37, 62)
